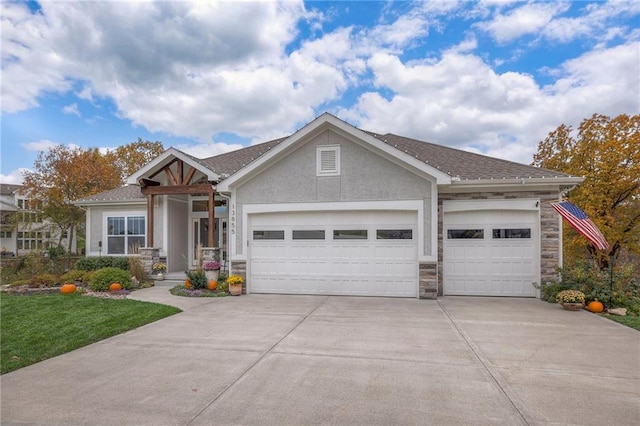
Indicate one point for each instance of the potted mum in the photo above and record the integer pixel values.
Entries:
(235, 284)
(159, 268)
(571, 300)
(211, 269)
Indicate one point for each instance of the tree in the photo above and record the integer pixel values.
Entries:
(606, 152)
(129, 158)
(63, 175)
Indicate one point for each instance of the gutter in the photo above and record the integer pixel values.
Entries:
(457, 183)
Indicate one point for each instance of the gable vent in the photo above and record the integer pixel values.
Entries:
(328, 160)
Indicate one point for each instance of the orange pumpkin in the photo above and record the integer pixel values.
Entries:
(68, 288)
(115, 287)
(187, 283)
(595, 307)
(213, 285)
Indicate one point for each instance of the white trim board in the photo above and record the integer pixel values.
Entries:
(411, 205)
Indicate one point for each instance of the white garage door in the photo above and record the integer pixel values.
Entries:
(491, 253)
(363, 253)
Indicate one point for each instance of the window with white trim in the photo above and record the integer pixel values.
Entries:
(328, 160)
(125, 234)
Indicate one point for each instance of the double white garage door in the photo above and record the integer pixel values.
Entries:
(363, 253)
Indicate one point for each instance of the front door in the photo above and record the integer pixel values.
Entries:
(200, 229)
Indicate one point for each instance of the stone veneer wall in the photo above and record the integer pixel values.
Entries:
(149, 256)
(239, 267)
(549, 228)
(428, 286)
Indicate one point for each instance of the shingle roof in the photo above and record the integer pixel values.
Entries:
(231, 162)
(463, 164)
(458, 164)
(8, 188)
(124, 193)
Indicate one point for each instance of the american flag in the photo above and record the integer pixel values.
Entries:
(579, 220)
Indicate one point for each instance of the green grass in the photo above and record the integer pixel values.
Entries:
(633, 322)
(34, 328)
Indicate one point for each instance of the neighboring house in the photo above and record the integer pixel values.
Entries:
(23, 228)
(336, 210)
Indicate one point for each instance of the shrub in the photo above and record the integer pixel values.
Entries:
(103, 278)
(34, 263)
(137, 269)
(95, 263)
(19, 283)
(44, 280)
(180, 290)
(73, 276)
(197, 278)
(55, 252)
(223, 286)
(595, 284)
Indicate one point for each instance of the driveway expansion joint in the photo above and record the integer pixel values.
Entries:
(257, 361)
(497, 379)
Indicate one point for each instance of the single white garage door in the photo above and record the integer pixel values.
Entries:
(491, 253)
(363, 253)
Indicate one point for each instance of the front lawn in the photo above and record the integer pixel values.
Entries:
(629, 321)
(34, 328)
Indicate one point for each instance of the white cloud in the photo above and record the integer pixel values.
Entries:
(197, 69)
(15, 177)
(526, 19)
(41, 145)
(72, 109)
(460, 101)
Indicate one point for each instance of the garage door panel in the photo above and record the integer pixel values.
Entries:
(493, 258)
(340, 266)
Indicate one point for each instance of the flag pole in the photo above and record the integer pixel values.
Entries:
(611, 258)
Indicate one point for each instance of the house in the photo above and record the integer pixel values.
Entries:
(22, 226)
(333, 209)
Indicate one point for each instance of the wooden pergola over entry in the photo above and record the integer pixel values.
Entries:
(178, 183)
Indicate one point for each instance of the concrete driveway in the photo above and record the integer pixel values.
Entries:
(291, 360)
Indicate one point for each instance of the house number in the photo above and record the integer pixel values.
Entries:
(233, 219)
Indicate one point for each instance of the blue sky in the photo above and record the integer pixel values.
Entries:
(493, 77)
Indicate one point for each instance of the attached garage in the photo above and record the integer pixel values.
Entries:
(361, 253)
(491, 248)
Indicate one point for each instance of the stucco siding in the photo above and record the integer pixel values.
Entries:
(364, 176)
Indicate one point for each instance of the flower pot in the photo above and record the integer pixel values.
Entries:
(572, 306)
(212, 275)
(160, 276)
(235, 289)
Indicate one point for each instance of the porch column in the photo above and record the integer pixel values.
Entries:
(212, 207)
(150, 220)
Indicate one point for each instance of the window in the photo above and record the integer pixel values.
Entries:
(512, 233)
(465, 234)
(125, 234)
(328, 160)
(348, 234)
(5, 234)
(268, 235)
(308, 234)
(394, 234)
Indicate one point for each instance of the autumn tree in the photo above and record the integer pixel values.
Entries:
(606, 152)
(129, 158)
(63, 175)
